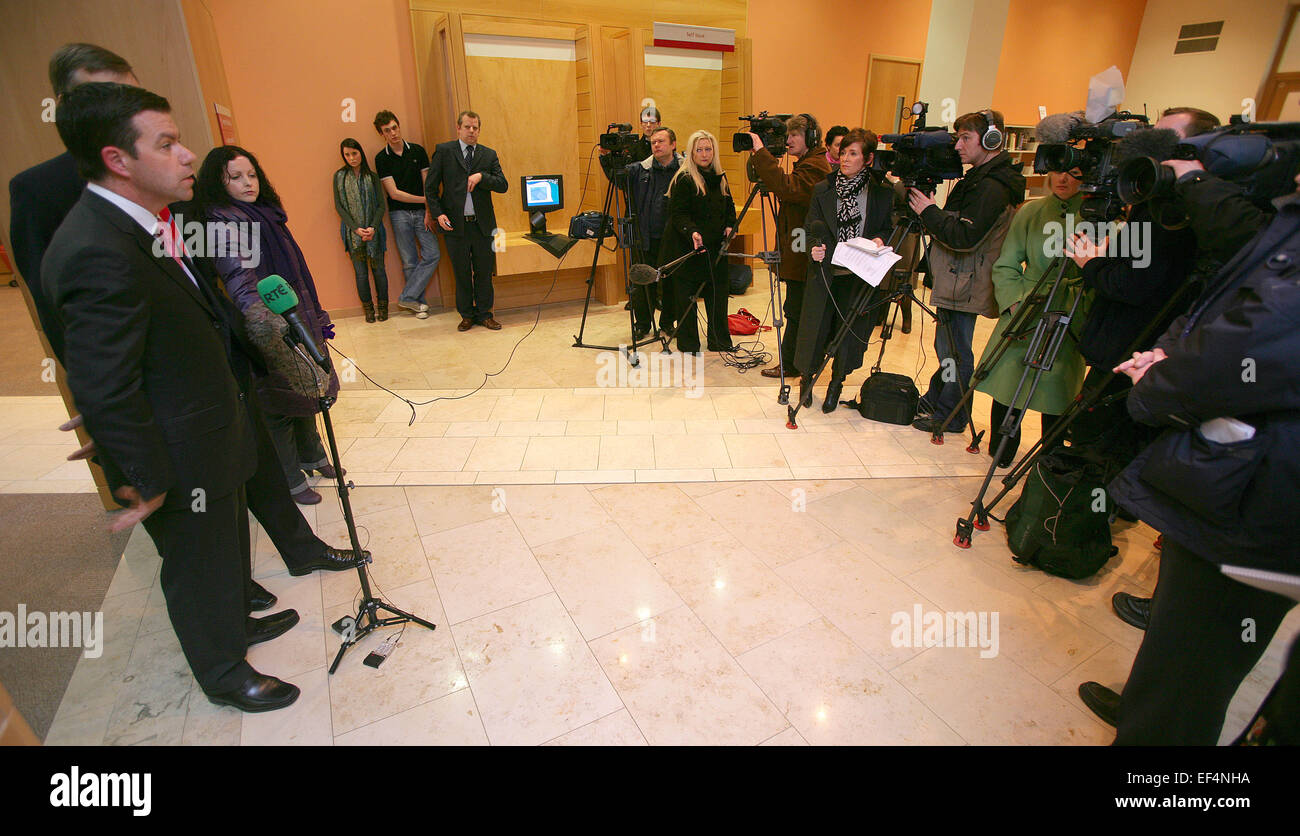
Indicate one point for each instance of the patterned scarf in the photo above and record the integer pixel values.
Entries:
(847, 213)
(359, 197)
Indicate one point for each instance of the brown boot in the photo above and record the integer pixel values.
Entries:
(381, 308)
(369, 310)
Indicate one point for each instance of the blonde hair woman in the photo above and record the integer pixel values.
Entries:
(700, 214)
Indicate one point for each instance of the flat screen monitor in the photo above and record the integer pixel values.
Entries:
(542, 192)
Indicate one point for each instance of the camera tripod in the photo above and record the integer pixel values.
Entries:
(626, 232)
(1051, 327)
(1083, 402)
(866, 301)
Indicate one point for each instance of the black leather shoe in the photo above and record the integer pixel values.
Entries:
(258, 693)
(1102, 701)
(264, 629)
(262, 599)
(1132, 609)
(331, 560)
(833, 391)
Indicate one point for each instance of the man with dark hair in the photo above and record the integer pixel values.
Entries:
(462, 177)
(148, 347)
(402, 167)
(74, 64)
(647, 185)
(966, 237)
(40, 198)
(833, 139)
(794, 191)
(1188, 121)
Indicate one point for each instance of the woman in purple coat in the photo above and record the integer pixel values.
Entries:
(232, 189)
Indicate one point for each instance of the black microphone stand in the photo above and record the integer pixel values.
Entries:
(354, 628)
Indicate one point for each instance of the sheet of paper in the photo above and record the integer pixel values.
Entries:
(855, 255)
(1282, 584)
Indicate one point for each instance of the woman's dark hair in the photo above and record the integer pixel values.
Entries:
(868, 139)
(350, 143)
(210, 185)
(97, 115)
(838, 130)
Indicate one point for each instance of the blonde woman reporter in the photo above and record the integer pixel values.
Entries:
(700, 213)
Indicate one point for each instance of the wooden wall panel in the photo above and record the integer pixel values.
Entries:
(689, 100)
(530, 119)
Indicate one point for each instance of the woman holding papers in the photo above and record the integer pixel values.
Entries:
(848, 204)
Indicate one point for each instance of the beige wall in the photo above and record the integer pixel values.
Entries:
(1216, 81)
(690, 100)
(150, 34)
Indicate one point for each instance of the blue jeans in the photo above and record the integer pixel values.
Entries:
(945, 392)
(417, 266)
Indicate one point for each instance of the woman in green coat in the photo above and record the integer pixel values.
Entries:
(1036, 236)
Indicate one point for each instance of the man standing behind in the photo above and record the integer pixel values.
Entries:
(402, 167)
(794, 191)
(647, 183)
(147, 347)
(462, 177)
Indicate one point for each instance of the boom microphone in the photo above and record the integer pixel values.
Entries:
(1056, 128)
(642, 274)
(1157, 143)
(281, 299)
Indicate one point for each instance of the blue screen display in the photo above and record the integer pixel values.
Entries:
(542, 193)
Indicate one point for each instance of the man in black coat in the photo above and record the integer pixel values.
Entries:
(647, 190)
(147, 350)
(462, 177)
(1219, 483)
(40, 198)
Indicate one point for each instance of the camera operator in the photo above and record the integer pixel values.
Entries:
(966, 238)
(647, 183)
(1220, 482)
(849, 203)
(1129, 293)
(794, 191)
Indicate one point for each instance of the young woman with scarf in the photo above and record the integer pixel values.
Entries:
(232, 190)
(852, 204)
(359, 200)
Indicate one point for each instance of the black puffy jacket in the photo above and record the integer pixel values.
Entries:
(1233, 356)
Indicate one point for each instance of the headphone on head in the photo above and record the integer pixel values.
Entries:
(991, 139)
(813, 135)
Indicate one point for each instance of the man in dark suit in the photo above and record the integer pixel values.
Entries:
(462, 177)
(40, 198)
(147, 349)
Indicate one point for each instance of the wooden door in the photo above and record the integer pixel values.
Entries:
(892, 85)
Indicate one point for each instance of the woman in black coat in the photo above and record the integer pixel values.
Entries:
(700, 213)
(852, 205)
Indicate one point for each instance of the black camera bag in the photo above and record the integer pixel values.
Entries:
(888, 397)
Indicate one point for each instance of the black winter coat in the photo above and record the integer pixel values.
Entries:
(1232, 356)
(647, 185)
(975, 203)
(708, 214)
(819, 318)
(1127, 298)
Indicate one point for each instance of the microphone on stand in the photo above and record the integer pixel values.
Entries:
(281, 299)
(645, 274)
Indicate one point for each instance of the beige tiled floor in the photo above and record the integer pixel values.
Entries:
(622, 566)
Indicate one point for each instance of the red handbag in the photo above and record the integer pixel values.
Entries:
(743, 323)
